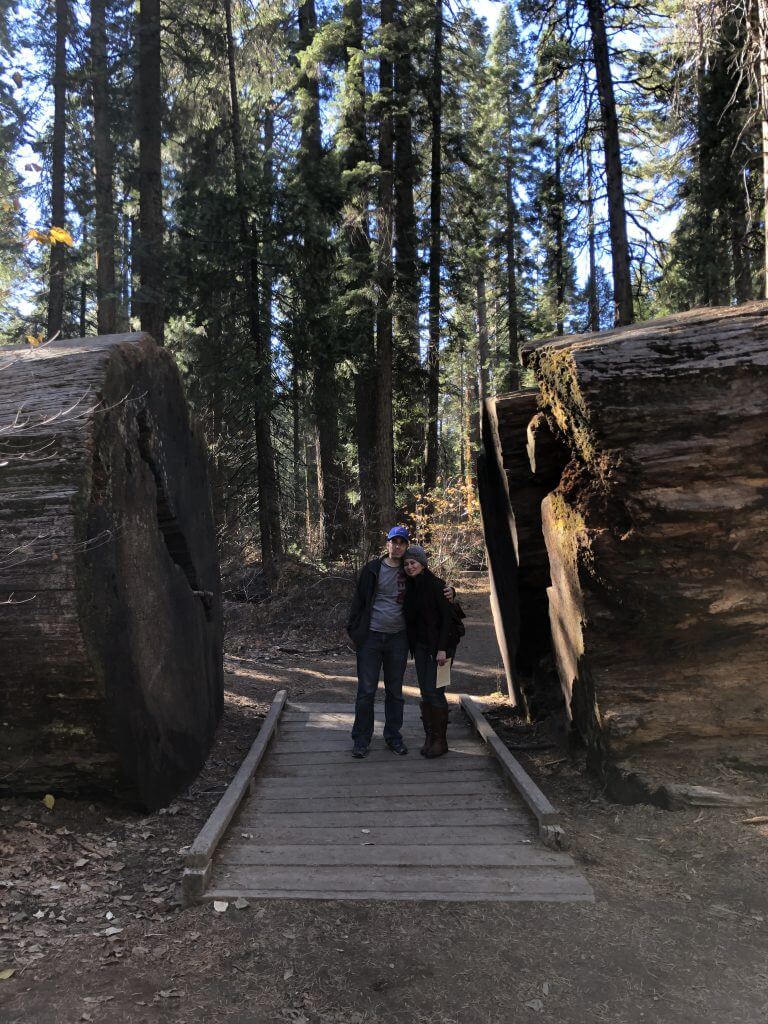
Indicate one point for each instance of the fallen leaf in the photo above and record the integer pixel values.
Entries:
(113, 931)
(48, 800)
(288, 973)
(241, 904)
(7, 973)
(220, 906)
(760, 819)
(535, 1004)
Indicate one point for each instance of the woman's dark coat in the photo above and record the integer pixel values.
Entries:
(429, 615)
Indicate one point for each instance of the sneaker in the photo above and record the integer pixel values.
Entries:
(359, 750)
(397, 747)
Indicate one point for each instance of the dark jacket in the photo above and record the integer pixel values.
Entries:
(359, 620)
(428, 613)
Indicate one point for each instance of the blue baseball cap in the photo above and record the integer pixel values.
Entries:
(399, 531)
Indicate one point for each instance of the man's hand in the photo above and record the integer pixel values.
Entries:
(450, 594)
(441, 658)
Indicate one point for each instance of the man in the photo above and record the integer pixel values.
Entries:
(376, 627)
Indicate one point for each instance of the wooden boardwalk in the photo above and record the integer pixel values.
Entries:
(322, 825)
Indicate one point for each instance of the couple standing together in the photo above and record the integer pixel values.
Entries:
(399, 605)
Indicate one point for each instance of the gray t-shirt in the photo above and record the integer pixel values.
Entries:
(387, 610)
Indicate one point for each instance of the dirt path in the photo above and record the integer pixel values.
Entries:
(678, 934)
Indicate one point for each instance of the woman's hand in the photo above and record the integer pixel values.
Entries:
(441, 658)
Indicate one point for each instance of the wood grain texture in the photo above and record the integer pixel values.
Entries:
(400, 828)
(110, 608)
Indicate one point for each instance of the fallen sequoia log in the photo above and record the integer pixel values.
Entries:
(110, 604)
(657, 532)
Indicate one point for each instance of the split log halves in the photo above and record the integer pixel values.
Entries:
(657, 533)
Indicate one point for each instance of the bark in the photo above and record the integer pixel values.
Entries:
(617, 215)
(483, 352)
(266, 480)
(58, 149)
(385, 275)
(103, 160)
(358, 244)
(559, 219)
(656, 532)
(513, 315)
(275, 526)
(742, 268)
(435, 253)
(593, 305)
(331, 482)
(111, 629)
(150, 103)
(407, 267)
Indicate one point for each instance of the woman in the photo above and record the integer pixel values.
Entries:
(430, 621)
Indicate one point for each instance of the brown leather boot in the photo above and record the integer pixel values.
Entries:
(426, 719)
(439, 744)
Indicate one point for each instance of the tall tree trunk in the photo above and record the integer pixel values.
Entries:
(58, 200)
(262, 385)
(614, 176)
(484, 355)
(331, 483)
(384, 336)
(150, 248)
(105, 227)
(593, 304)
(559, 219)
(268, 252)
(361, 318)
(298, 450)
(435, 253)
(407, 268)
(742, 269)
(513, 317)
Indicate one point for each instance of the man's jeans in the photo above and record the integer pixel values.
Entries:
(391, 651)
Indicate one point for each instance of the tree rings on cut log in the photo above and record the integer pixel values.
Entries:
(110, 601)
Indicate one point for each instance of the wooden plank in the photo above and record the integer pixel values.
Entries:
(406, 879)
(397, 897)
(339, 775)
(544, 811)
(424, 855)
(322, 743)
(442, 770)
(367, 819)
(511, 833)
(377, 755)
(392, 803)
(273, 789)
(202, 849)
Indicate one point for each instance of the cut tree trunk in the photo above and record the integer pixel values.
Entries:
(110, 605)
(657, 532)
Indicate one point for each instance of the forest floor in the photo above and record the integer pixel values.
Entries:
(92, 928)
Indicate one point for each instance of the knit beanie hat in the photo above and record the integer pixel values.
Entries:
(417, 553)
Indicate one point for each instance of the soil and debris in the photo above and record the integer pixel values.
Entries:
(92, 928)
